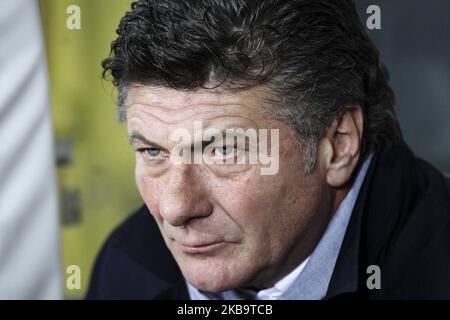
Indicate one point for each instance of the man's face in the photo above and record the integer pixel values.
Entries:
(227, 225)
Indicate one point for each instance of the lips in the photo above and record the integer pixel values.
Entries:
(200, 247)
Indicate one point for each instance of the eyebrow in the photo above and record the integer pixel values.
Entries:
(136, 136)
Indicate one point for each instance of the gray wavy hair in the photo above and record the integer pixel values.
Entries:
(315, 56)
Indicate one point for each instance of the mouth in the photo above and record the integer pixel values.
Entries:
(200, 248)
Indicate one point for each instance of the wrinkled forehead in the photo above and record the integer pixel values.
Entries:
(172, 106)
(157, 112)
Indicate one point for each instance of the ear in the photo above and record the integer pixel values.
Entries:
(340, 147)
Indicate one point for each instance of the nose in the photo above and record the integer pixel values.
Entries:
(184, 196)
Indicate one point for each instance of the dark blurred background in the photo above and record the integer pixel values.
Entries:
(414, 41)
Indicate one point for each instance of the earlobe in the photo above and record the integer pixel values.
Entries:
(339, 173)
(345, 137)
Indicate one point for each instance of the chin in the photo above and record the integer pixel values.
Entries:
(211, 276)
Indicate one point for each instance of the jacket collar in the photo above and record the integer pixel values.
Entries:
(389, 192)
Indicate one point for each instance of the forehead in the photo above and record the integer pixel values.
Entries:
(172, 106)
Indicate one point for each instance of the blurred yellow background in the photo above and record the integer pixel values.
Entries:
(97, 189)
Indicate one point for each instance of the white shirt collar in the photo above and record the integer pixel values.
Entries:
(281, 286)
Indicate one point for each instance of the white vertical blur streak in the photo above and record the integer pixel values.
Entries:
(29, 231)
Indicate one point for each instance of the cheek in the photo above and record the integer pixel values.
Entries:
(247, 203)
(269, 209)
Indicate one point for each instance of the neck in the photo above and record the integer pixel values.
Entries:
(339, 197)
